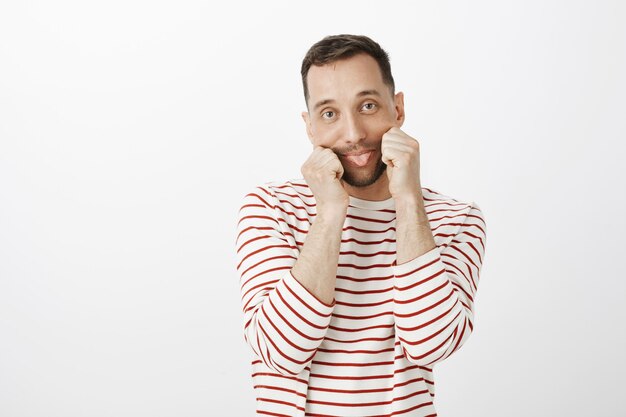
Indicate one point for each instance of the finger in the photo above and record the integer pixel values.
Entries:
(393, 130)
(397, 155)
(400, 145)
(386, 158)
(399, 139)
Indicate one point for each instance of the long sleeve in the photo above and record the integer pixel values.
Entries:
(434, 294)
(284, 323)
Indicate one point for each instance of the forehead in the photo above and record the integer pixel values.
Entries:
(344, 79)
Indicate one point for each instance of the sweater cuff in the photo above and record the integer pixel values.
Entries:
(297, 294)
(424, 261)
(419, 281)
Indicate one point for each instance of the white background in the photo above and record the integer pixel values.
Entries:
(130, 131)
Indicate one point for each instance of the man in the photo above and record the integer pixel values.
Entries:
(355, 280)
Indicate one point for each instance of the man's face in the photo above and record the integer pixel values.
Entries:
(350, 108)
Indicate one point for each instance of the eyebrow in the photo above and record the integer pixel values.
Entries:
(361, 94)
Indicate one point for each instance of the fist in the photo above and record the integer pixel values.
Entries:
(400, 152)
(322, 172)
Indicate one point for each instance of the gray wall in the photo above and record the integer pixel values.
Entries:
(130, 131)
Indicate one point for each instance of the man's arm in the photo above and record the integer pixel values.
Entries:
(287, 296)
(316, 268)
(433, 291)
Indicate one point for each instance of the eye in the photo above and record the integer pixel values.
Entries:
(369, 106)
(328, 114)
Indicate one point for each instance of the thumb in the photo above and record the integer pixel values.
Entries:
(387, 161)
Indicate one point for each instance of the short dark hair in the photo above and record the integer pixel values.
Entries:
(336, 47)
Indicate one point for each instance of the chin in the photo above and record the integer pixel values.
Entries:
(360, 180)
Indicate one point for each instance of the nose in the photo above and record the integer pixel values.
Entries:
(354, 130)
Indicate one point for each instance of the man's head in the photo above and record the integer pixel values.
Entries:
(351, 102)
(337, 47)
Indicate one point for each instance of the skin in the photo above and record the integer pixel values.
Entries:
(352, 111)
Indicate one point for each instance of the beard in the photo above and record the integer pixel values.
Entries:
(366, 179)
(360, 177)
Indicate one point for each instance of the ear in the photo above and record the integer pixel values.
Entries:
(399, 105)
(307, 122)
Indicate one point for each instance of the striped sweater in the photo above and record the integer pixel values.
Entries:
(372, 352)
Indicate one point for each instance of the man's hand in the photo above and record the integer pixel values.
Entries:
(402, 155)
(316, 267)
(322, 172)
(413, 234)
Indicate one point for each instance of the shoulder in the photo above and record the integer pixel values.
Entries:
(293, 192)
(442, 207)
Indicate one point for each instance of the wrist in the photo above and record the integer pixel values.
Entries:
(331, 213)
(412, 200)
(411, 208)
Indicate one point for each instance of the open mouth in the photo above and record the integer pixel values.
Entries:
(359, 159)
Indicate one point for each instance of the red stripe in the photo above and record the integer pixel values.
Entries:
(440, 202)
(267, 317)
(361, 329)
(297, 196)
(294, 328)
(345, 316)
(361, 242)
(424, 295)
(343, 303)
(430, 307)
(269, 413)
(298, 314)
(291, 378)
(365, 391)
(433, 335)
(430, 352)
(297, 207)
(364, 279)
(255, 195)
(369, 219)
(456, 346)
(459, 287)
(366, 292)
(355, 351)
(366, 255)
(283, 354)
(357, 229)
(262, 250)
(357, 364)
(271, 387)
(280, 268)
(446, 217)
(365, 377)
(421, 282)
(273, 258)
(446, 210)
(267, 285)
(417, 269)
(365, 339)
(270, 400)
(372, 404)
(257, 217)
(306, 304)
(291, 213)
(291, 226)
(460, 274)
(362, 267)
(480, 239)
(425, 324)
(254, 228)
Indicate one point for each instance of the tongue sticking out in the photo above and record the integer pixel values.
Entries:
(359, 160)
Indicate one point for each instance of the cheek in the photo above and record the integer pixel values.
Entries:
(324, 136)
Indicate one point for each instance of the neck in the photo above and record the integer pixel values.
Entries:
(378, 191)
